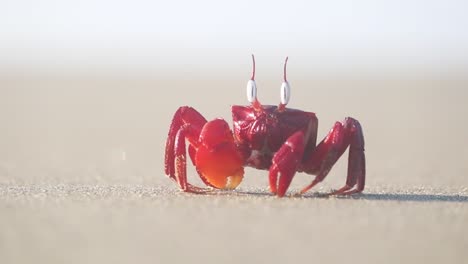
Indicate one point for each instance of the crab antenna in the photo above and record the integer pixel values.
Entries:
(285, 63)
(253, 71)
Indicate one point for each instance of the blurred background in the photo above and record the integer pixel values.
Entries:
(88, 88)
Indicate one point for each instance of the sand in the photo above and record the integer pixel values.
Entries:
(81, 174)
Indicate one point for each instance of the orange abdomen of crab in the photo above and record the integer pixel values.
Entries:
(217, 159)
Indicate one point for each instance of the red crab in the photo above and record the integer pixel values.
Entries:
(266, 137)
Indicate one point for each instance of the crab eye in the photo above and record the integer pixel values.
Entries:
(285, 93)
(251, 91)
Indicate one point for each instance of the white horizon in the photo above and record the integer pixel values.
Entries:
(139, 35)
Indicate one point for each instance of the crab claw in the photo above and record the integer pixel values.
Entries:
(217, 159)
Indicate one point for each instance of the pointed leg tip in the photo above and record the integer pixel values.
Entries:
(273, 191)
(279, 195)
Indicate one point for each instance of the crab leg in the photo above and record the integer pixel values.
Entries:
(186, 125)
(183, 115)
(285, 163)
(343, 134)
(180, 157)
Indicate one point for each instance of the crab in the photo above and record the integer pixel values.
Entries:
(266, 137)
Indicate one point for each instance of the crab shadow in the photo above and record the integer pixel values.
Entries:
(398, 197)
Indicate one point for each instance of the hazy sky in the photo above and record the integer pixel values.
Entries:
(138, 34)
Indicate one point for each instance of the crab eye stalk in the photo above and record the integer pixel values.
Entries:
(285, 93)
(251, 91)
(285, 88)
(252, 86)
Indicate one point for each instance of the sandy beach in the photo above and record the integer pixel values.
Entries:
(82, 180)
(125, 224)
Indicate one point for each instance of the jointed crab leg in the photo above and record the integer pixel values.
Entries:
(180, 157)
(186, 124)
(343, 134)
(184, 115)
(285, 163)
